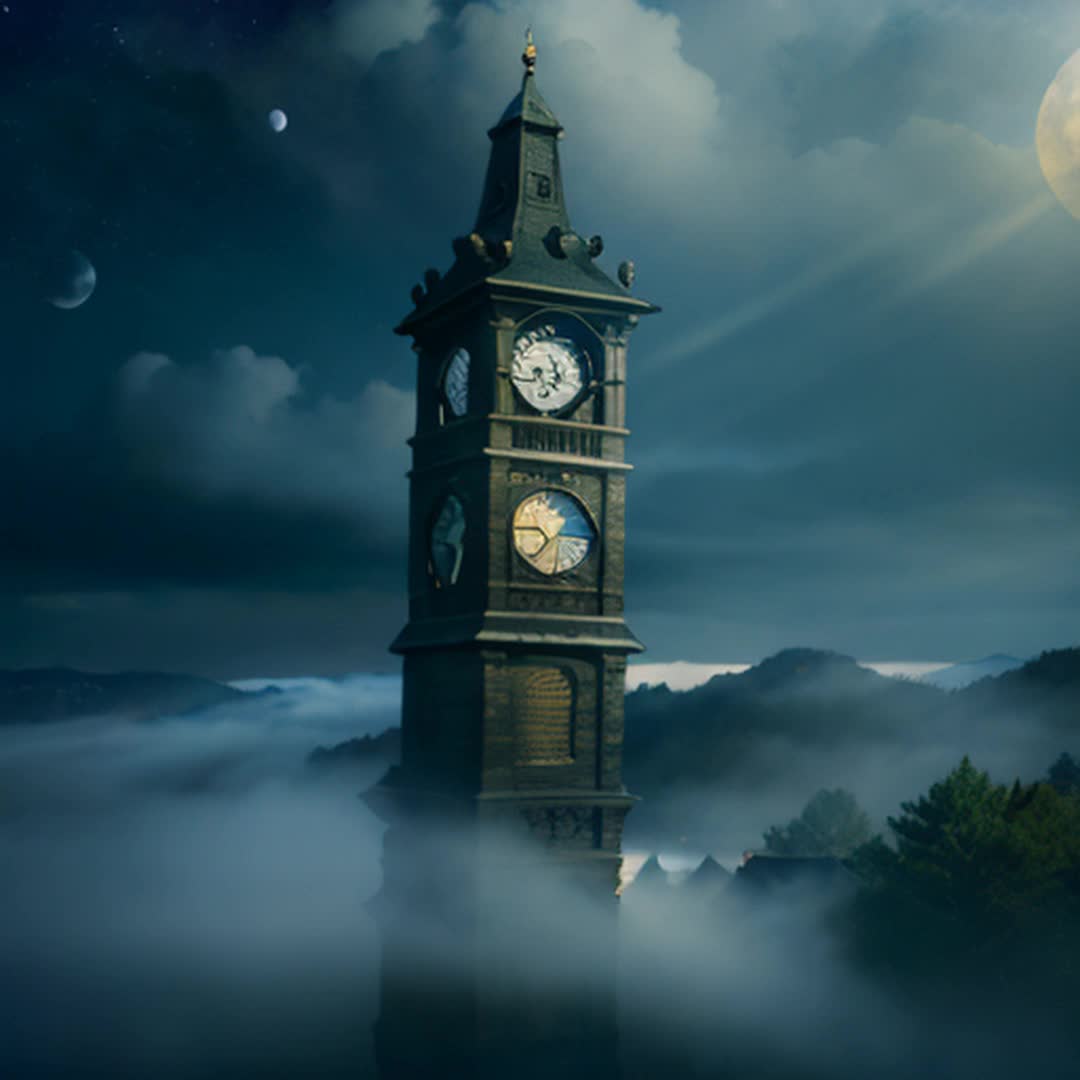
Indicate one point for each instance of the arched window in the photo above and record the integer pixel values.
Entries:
(543, 711)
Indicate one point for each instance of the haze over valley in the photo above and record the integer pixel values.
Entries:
(219, 870)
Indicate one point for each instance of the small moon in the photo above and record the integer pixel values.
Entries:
(278, 120)
(1057, 135)
(70, 280)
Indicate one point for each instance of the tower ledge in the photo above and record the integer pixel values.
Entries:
(519, 628)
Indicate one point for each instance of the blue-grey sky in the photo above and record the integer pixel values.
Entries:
(854, 423)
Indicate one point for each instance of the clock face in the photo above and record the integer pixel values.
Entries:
(448, 541)
(455, 383)
(549, 371)
(552, 532)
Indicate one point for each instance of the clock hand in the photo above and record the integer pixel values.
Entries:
(538, 377)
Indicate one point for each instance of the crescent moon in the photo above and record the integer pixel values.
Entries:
(1057, 135)
(79, 280)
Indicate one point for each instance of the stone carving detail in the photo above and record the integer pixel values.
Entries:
(529, 478)
(558, 441)
(564, 826)
(577, 602)
(613, 827)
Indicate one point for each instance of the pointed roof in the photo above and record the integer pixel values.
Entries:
(522, 240)
(651, 876)
(528, 106)
(709, 875)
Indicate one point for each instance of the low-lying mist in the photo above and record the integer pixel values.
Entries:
(187, 898)
(180, 899)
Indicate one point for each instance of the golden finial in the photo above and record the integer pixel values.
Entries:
(528, 57)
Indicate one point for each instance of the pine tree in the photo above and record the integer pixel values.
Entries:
(1064, 775)
(950, 842)
(982, 878)
(831, 823)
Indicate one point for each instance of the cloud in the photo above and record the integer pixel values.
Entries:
(684, 675)
(240, 427)
(838, 68)
(356, 704)
(252, 622)
(867, 327)
(678, 675)
(367, 28)
(222, 487)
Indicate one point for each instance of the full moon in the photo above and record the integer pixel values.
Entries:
(1057, 135)
(278, 120)
(70, 280)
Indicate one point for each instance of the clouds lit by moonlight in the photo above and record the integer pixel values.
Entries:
(1057, 135)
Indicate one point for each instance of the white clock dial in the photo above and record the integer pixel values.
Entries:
(456, 382)
(548, 372)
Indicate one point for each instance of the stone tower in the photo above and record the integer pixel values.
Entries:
(515, 649)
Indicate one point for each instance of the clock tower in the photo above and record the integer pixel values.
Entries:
(515, 648)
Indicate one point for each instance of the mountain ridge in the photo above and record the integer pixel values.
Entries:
(53, 694)
(963, 674)
(783, 722)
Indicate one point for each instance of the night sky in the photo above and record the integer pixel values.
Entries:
(855, 422)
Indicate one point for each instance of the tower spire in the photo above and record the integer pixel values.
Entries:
(522, 233)
(528, 57)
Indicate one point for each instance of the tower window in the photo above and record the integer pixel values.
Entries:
(541, 185)
(543, 711)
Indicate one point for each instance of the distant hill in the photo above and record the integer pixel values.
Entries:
(804, 695)
(1057, 669)
(42, 695)
(1045, 690)
(696, 756)
(385, 746)
(957, 676)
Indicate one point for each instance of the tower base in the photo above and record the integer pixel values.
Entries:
(498, 956)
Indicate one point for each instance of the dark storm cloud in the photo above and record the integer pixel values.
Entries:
(857, 394)
(216, 495)
(213, 474)
(218, 631)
